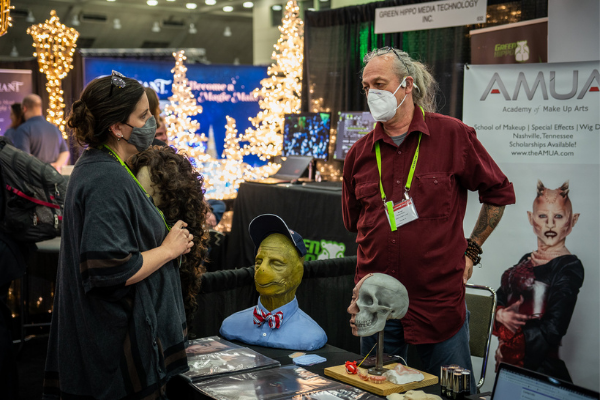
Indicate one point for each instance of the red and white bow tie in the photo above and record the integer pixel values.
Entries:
(274, 320)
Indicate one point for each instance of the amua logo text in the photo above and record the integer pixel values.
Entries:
(14, 86)
(323, 250)
(545, 84)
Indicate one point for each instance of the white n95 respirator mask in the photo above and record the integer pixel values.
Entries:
(383, 103)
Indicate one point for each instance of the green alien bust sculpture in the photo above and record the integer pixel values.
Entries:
(276, 321)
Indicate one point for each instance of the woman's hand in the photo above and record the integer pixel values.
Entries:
(179, 240)
(510, 317)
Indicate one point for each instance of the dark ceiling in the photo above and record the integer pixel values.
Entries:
(97, 26)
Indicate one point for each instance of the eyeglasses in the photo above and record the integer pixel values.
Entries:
(116, 79)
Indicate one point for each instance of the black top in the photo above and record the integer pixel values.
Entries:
(108, 340)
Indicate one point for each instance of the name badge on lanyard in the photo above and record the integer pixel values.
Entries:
(401, 213)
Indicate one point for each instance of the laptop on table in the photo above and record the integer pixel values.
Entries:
(514, 383)
(291, 169)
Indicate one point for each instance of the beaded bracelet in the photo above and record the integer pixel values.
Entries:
(473, 251)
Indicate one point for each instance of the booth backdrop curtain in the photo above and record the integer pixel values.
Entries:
(335, 41)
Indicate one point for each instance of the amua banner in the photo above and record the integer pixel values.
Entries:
(541, 124)
(15, 84)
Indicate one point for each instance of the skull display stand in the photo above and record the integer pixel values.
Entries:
(378, 369)
(375, 299)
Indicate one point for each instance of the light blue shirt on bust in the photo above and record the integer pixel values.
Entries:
(298, 331)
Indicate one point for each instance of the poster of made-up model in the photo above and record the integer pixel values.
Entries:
(541, 124)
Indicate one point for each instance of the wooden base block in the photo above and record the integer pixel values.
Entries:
(380, 389)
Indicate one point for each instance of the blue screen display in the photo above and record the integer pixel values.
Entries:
(306, 134)
(351, 127)
(220, 89)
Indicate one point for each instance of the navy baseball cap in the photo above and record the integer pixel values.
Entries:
(267, 224)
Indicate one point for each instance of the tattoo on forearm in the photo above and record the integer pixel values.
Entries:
(487, 222)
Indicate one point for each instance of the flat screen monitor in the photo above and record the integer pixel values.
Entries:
(351, 127)
(306, 134)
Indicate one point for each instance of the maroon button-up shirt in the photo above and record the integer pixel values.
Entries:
(426, 255)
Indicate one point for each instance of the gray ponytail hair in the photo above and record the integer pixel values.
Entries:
(425, 84)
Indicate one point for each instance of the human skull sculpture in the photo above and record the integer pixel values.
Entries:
(375, 299)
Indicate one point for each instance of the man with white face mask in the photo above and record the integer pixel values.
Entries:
(405, 193)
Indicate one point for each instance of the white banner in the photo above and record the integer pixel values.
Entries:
(432, 15)
(541, 124)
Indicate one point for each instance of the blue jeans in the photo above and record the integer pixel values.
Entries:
(451, 351)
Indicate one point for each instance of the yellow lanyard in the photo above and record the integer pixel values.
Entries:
(413, 166)
(138, 182)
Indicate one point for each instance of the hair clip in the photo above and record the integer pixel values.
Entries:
(116, 79)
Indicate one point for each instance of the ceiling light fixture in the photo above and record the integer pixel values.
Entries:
(156, 27)
(276, 7)
(14, 52)
(116, 23)
(210, 2)
(193, 29)
(227, 32)
(228, 9)
(191, 6)
(75, 21)
(152, 2)
(30, 18)
(110, 0)
(248, 4)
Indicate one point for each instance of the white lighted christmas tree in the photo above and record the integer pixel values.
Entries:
(54, 48)
(280, 92)
(181, 128)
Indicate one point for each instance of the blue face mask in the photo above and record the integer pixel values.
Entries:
(142, 137)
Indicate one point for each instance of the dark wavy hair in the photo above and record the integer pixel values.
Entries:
(180, 186)
(100, 107)
(18, 113)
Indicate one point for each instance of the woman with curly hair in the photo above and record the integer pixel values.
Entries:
(118, 326)
(176, 188)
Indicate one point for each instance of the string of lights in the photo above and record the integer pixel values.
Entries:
(5, 19)
(281, 90)
(55, 44)
(181, 128)
(222, 178)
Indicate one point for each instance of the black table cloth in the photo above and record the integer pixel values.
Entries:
(315, 214)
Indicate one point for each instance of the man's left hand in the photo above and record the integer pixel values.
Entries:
(468, 270)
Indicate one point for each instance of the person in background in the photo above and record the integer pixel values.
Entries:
(214, 215)
(16, 119)
(118, 326)
(161, 131)
(38, 137)
(154, 105)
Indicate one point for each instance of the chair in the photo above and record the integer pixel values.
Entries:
(483, 310)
